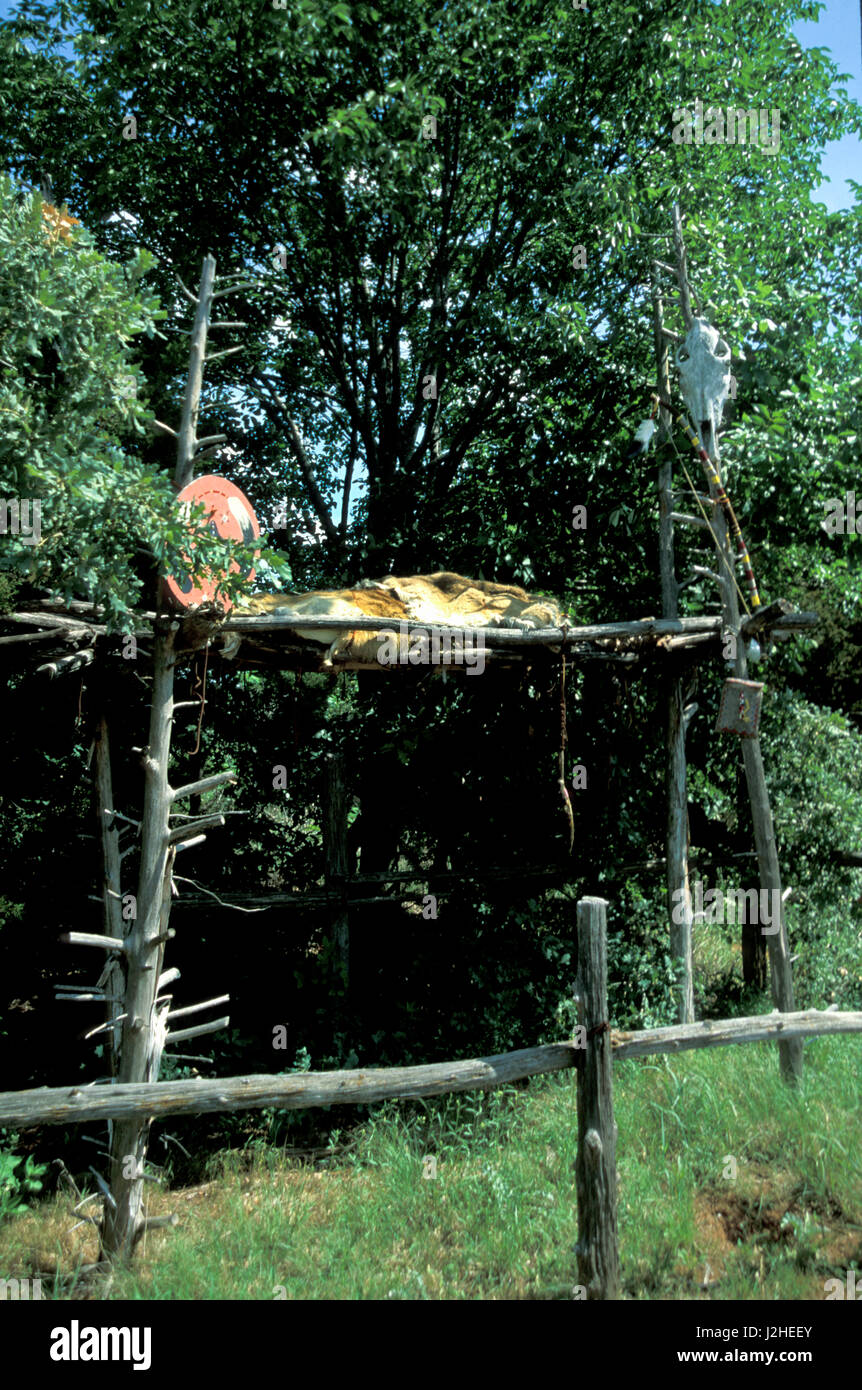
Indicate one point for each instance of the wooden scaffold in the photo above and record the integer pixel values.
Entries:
(135, 985)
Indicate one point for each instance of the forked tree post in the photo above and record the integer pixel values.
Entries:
(143, 1025)
(145, 1006)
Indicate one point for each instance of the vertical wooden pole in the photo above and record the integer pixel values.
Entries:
(681, 269)
(780, 971)
(781, 975)
(335, 851)
(144, 1025)
(678, 886)
(755, 957)
(142, 1033)
(781, 978)
(596, 1165)
(679, 905)
(755, 954)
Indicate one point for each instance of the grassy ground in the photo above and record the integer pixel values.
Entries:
(731, 1186)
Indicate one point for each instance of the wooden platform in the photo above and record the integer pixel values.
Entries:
(50, 638)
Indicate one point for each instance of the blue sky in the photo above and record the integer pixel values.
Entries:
(838, 29)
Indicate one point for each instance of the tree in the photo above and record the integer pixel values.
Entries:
(413, 188)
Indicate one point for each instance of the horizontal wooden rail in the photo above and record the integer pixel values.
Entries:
(60, 1105)
(779, 614)
(683, 1037)
(85, 616)
(645, 627)
(64, 1105)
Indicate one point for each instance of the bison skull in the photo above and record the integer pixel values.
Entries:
(703, 359)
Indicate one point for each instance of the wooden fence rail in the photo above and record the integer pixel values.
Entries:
(592, 1050)
(61, 1105)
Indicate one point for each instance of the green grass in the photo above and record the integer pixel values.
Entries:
(499, 1220)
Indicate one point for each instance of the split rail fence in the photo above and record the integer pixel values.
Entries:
(591, 1052)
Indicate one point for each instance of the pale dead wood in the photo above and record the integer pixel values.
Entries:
(184, 470)
(64, 664)
(73, 626)
(191, 828)
(64, 1105)
(86, 938)
(61, 1105)
(206, 784)
(676, 835)
(807, 1023)
(196, 1008)
(185, 1033)
(112, 975)
(645, 627)
(49, 635)
(143, 1030)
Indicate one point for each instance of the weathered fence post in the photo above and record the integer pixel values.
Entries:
(596, 1164)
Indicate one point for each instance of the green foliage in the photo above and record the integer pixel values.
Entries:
(8, 593)
(73, 415)
(814, 761)
(814, 766)
(452, 255)
(641, 975)
(68, 399)
(9, 911)
(20, 1180)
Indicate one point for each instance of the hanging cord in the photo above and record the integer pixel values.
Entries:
(722, 557)
(722, 498)
(200, 686)
(561, 756)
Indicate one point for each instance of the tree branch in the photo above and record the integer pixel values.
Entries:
(295, 440)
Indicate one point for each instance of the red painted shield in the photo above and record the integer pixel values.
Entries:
(230, 516)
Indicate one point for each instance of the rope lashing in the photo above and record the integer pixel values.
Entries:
(721, 495)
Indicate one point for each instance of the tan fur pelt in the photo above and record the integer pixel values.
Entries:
(441, 599)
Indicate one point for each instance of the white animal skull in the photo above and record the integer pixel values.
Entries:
(703, 360)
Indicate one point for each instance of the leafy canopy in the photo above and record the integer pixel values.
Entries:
(81, 506)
